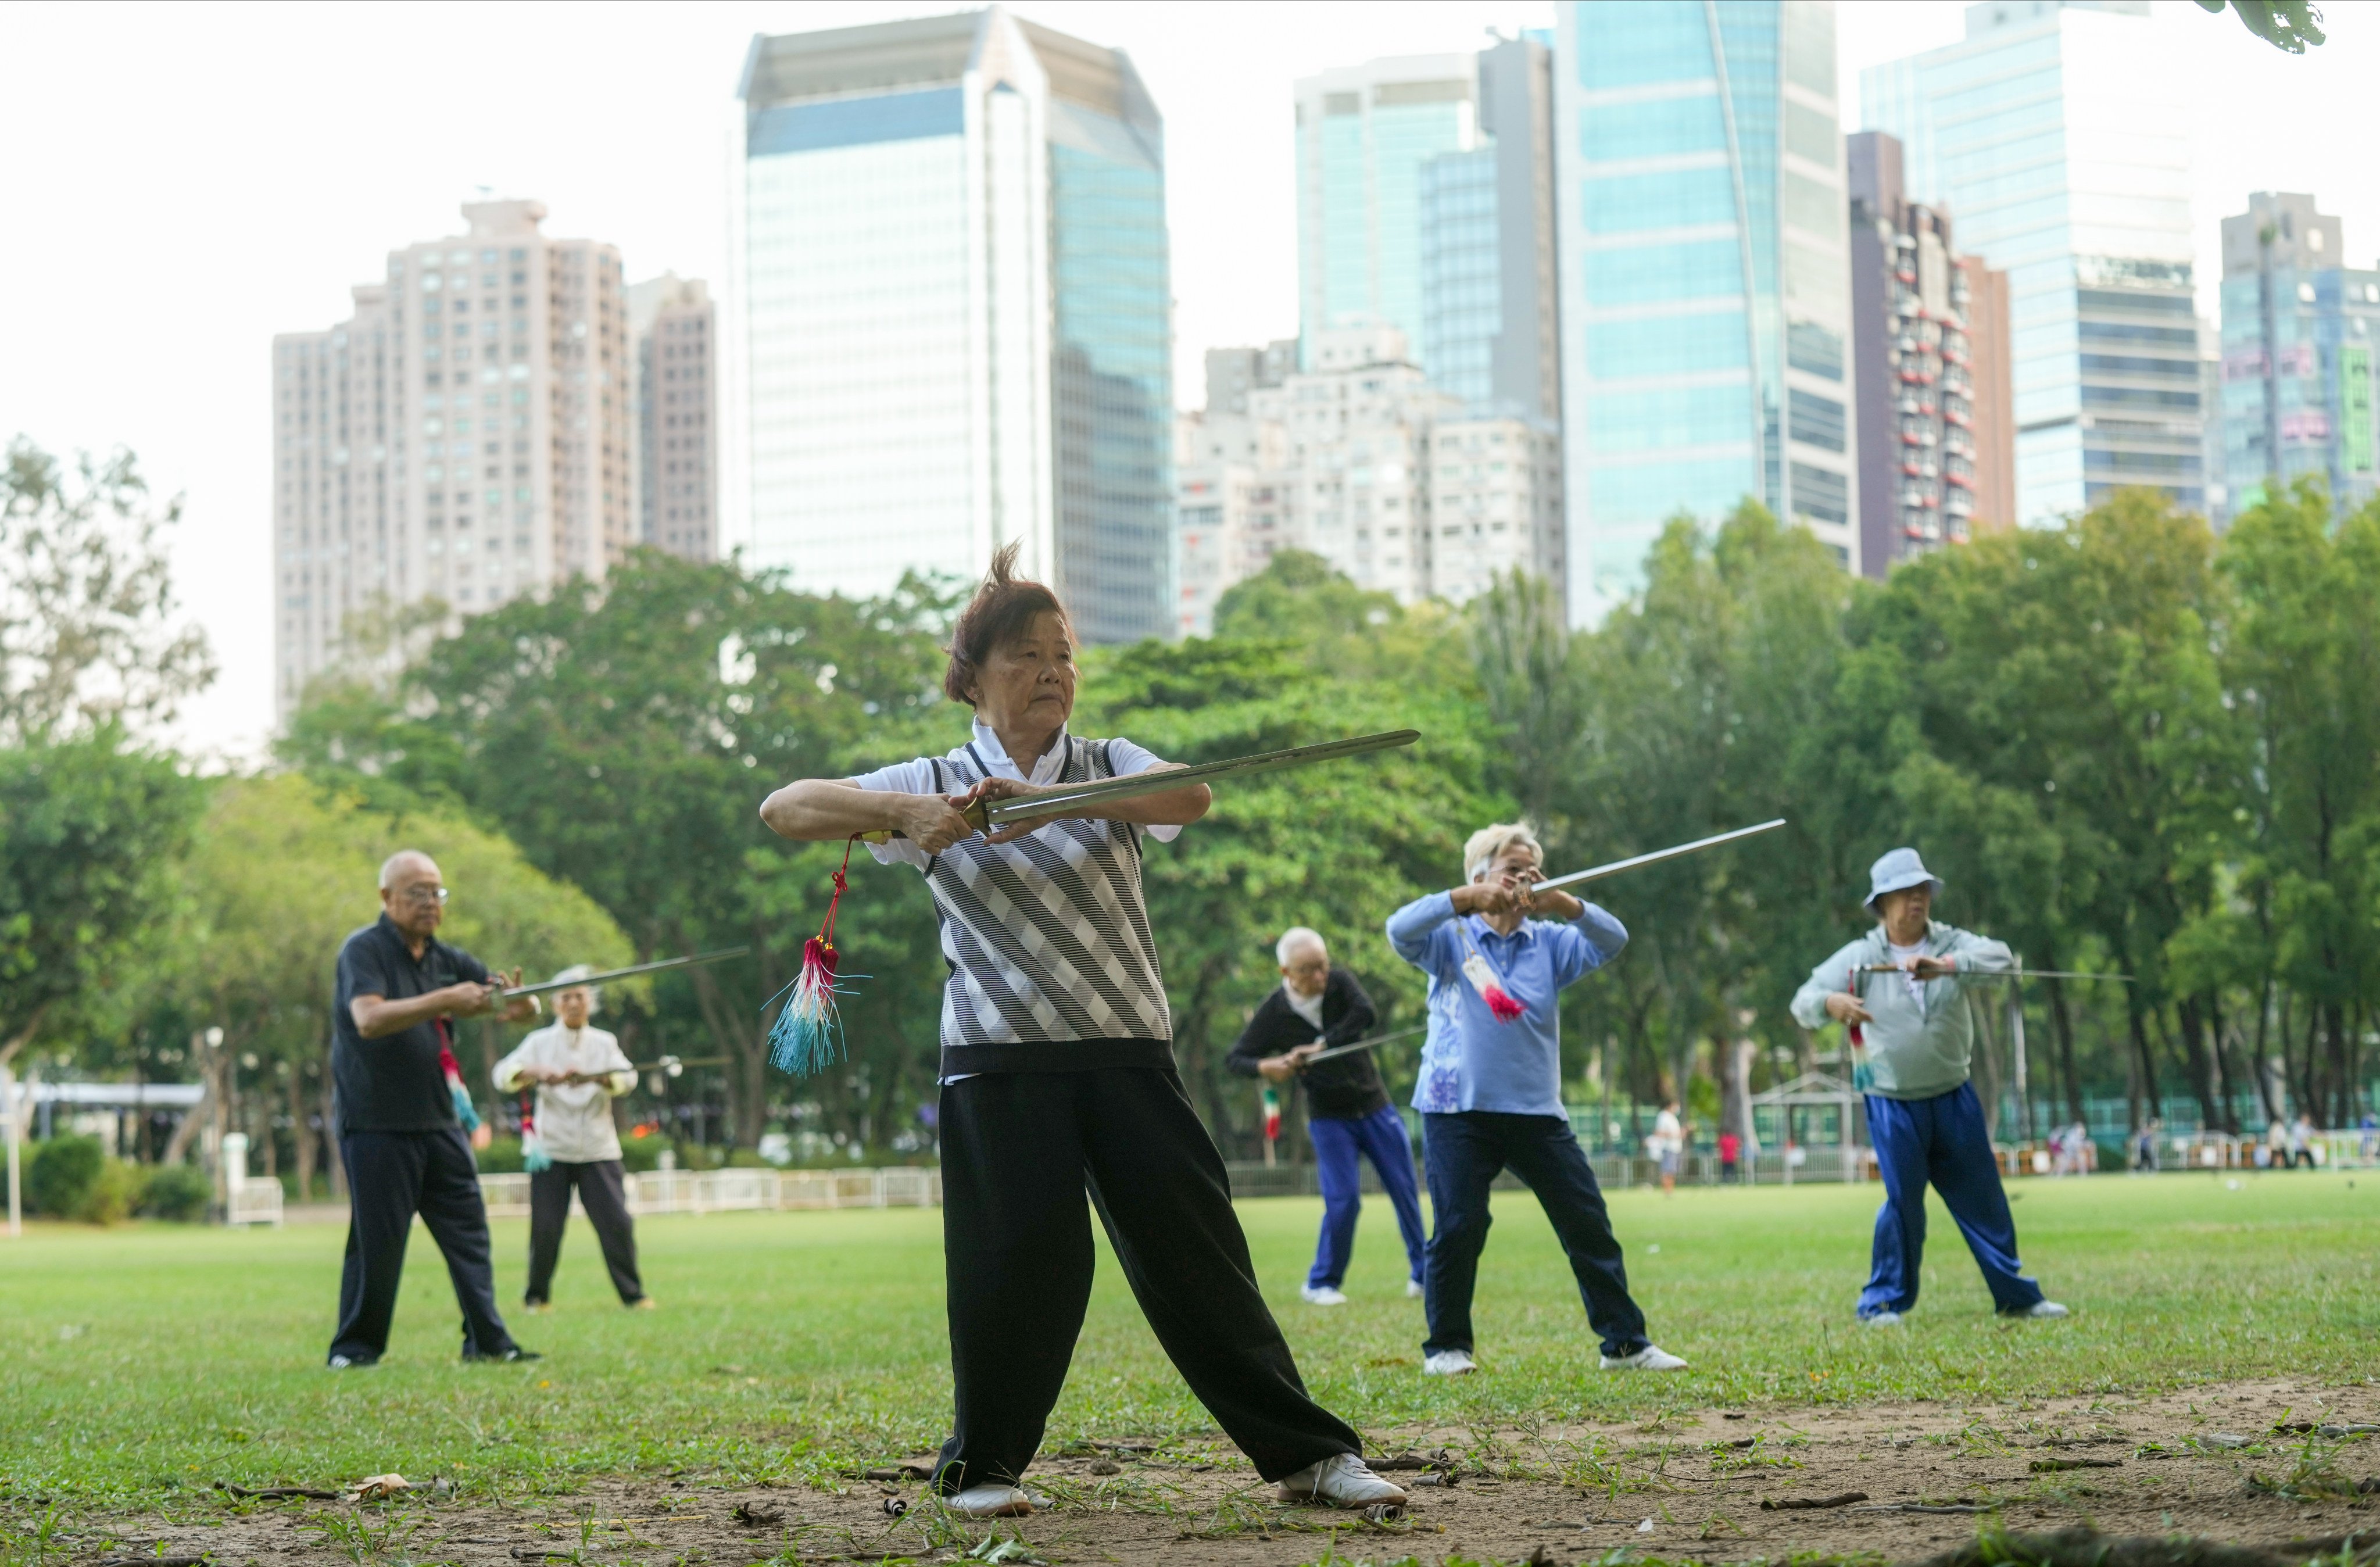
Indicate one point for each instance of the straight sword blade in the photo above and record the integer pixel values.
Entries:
(1004, 813)
(686, 961)
(1597, 873)
(1365, 1044)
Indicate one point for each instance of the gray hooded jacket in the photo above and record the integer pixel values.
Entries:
(1916, 1049)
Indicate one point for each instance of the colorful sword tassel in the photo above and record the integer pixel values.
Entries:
(808, 1037)
(1863, 1074)
(1500, 1000)
(465, 1112)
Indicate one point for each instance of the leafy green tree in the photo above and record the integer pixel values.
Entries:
(2291, 26)
(86, 635)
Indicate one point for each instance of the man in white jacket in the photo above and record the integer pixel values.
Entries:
(578, 1072)
(1898, 991)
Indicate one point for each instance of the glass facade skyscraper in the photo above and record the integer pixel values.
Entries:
(1487, 246)
(2298, 333)
(1704, 276)
(953, 291)
(1365, 134)
(2058, 136)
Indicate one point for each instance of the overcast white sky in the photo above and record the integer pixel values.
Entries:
(185, 180)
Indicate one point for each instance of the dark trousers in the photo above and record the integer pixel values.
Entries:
(1338, 1142)
(1019, 1149)
(1465, 1151)
(390, 1177)
(1941, 1140)
(603, 1195)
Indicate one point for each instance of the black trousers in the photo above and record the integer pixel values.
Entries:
(603, 1195)
(390, 1177)
(1019, 1150)
(1467, 1150)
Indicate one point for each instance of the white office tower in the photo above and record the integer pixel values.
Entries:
(463, 436)
(951, 291)
(2058, 135)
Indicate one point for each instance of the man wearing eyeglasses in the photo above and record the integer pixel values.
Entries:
(405, 1151)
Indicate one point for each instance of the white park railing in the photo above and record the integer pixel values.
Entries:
(742, 1190)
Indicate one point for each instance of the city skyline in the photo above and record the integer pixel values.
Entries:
(404, 155)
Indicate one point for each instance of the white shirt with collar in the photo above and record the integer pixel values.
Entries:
(572, 1119)
(917, 777)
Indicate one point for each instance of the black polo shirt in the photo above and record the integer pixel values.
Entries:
(394, 1082)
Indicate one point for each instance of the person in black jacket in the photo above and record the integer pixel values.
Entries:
(1347, 1109)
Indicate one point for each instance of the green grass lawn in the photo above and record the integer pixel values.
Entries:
(155, 1357)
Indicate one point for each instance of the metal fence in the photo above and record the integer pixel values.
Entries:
(746, 1190)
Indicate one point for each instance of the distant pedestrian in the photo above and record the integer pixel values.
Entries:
(1912, 1045)
(1729, 1146)
(2303, 1137)
(578, 1072)
(1319, 1006)
(1668, 1147)
(399, 1136)
(2144, 1149)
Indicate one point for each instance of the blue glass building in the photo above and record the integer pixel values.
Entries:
(1365, 134)
(2057, 138)
(951, 288)
(2298, 333)
(1704, 276)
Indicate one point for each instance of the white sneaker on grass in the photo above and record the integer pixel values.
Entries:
(1652, 1358)
(1342, 1480)
(1881, 1319)
(1320, 1295)
(991, 1501)
(1449, 1363)
(2041, 1311)
(1412, 1289)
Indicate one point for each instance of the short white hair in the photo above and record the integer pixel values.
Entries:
(1297, 936)
(1481, 849)
(594, 993)
(388, 867)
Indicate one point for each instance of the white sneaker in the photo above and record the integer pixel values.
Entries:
(2041, 1311)
(991, 1501)
(1652, 1358)
(1412, 1289)
(1449, 1363)
(1322, 1295)
(1881, 1319)
(1342, 1480)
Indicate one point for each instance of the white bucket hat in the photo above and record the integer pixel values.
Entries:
(1897, 871)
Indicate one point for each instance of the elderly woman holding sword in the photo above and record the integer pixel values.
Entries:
(1057, 1070)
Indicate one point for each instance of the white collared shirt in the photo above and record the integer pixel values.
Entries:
(917, 777)
(572, 1119)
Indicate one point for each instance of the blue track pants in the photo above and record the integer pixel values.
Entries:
(1339, 1143)
(1941, 1140)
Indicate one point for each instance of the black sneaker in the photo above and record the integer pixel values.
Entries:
(515, 1353)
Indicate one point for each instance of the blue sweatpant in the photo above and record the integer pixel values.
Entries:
(1942, 1140)
(1338, 1143)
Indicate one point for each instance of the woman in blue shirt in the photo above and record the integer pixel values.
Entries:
(1490, 1087)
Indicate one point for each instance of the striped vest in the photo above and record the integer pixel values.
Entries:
(1052, 967)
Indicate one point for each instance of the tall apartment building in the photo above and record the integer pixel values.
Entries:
(1364, 461)
(1232, 373)
(2059, 135)
(2298, 333)
(952, 292)
(464, 435)
(1936, 442)
(673, 335)
(1705, 312)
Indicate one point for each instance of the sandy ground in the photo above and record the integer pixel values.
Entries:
(2206, 1463)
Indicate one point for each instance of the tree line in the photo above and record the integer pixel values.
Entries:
(2129, 746)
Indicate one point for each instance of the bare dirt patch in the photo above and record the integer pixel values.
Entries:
(2260, 1464)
